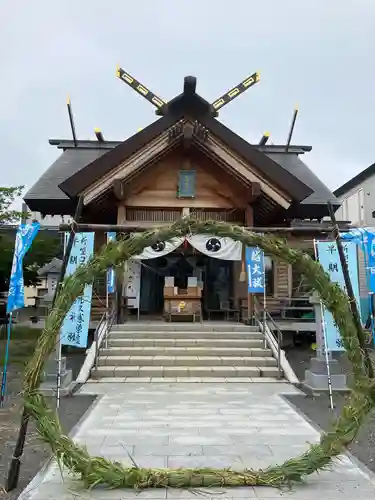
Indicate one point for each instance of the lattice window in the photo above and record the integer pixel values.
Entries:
(153, 215)
(234, 216)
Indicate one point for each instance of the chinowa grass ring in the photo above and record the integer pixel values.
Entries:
(95, 471)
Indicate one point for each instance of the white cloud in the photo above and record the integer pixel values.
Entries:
(318, 54)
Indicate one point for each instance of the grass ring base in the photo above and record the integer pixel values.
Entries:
(98, 471)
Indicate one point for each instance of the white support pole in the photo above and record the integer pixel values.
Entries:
(325, 345)
(59, 355)
(264, 301)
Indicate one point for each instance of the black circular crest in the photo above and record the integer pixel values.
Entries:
(213, 245)
(158, 246)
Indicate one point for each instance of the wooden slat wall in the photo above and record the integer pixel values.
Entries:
(233, 216)
(153, 214)
(282, 279)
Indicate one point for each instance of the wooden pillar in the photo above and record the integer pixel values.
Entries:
(120, 300)
(121, 214)
(249, 220)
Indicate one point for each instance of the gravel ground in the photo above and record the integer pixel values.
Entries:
(36, 452)
(317, 407)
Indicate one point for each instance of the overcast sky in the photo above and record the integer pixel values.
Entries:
(318, 54)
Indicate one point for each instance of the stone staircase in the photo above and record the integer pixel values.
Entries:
(166, 351)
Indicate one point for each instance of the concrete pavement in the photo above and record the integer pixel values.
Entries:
(175, 425)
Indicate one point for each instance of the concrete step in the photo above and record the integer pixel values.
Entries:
(185, 334)
(185, 380)
(173, 342)
(185, 351)
(163, 326)
(184, 371)
(186, 361)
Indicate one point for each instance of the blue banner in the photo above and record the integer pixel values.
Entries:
(365, 238)
(255, 269)
(75, 327)
(111, 272)
(369, 249)
(24, 238)
(328, 257)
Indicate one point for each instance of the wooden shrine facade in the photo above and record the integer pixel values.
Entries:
(187, 162)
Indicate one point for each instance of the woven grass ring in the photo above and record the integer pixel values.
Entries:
(99, 471)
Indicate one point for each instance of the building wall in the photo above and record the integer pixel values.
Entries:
(214, 187)
(32, 291)
(359, 204)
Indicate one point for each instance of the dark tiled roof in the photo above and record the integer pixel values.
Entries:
(182, 107)
(52, 267)
(315, 205)
(292, 162)
(46, 189)
(46, 192)
(78, 168)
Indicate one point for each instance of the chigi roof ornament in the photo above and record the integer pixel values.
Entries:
(190, 83)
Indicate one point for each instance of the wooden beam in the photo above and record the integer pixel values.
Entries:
(255, 191)
(118, 189)
(137, 227)
(187, 134)
(128, 167)
(218, 150)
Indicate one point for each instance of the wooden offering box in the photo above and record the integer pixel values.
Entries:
(182, 304)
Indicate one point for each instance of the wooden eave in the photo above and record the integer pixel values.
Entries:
(212, 147)
(193, 108)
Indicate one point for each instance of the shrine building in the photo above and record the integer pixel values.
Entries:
(188, 163)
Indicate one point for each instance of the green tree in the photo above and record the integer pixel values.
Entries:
(43, 249)
(7, 198)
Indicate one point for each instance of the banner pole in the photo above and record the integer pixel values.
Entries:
(15, 465)
(264, 301)
(325, 343)
(350, 292)
(108, 274)
(6, 359)
(59, 349)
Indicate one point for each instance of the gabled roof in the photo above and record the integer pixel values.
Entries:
(51, 267)
(46, 189)
(320, 195)
(355, 181)
(80, 166)
(188, 105)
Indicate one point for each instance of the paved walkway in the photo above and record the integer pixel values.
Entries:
(196, 425)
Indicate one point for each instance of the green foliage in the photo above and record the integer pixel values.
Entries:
(99, 471)
(7, 197)
(42, 251)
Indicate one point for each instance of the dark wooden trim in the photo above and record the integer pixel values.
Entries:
(194, 107)
(138, 228)
(118, 189)
(255, 191)
(187, 136)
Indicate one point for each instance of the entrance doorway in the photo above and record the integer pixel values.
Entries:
(216, 275)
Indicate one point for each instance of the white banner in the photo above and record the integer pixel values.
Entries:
(132, 283)
(160, 249)
(213, 246)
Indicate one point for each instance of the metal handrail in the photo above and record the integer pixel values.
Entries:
(108, 319)
(264, 325)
